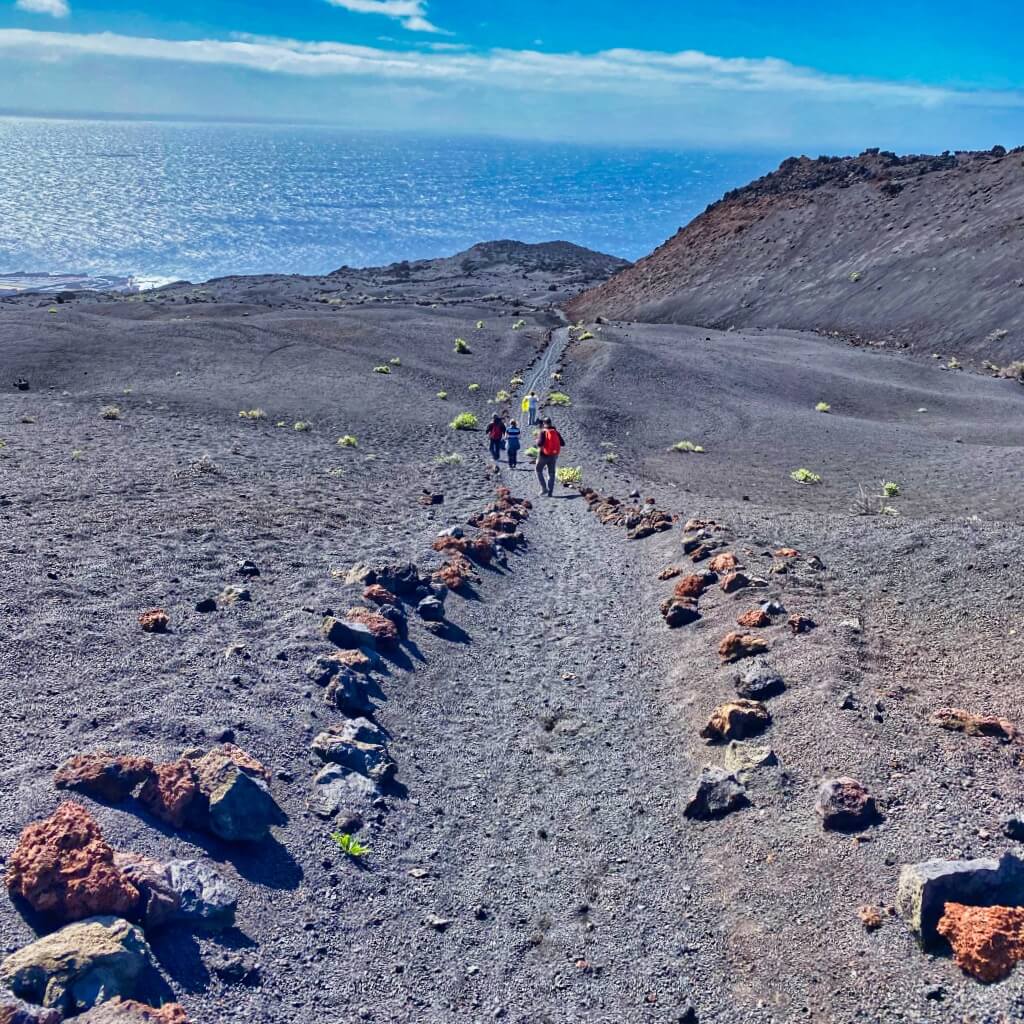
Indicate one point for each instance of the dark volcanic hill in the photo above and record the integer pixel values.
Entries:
(925, 251)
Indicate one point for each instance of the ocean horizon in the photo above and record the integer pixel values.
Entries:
(102, 203)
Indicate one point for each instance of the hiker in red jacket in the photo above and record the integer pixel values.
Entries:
(495, 435)
(550, 443)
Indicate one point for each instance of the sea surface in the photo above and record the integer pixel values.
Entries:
(128, 203)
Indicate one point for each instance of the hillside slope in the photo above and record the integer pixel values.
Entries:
(920, 251)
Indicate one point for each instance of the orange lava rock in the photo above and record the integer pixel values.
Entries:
(170, 791)
(724, 562)
(103, 776)
(736, 720)
(379, 595)
(383, 630)
(754, 619)
(733, 582)
(787, 553)
(958, 720)
(741, 645)
(800, 624)
(670, 572)
(156, 620)
(869, 917)
(62, 866)
(354, 659)
(128, 1011)
(460, 544)
(987, 941)
(692, 586)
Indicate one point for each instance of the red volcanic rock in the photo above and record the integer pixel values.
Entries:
(127, 1011)
(447, 543)
(379, 595)
(958, 720)
(670, 572)
(754, 619)
(987, 941)
(741, 645)
(845, 804)
(693, 585)
(869, 917)
(736, 720)
(171, 791)
(62, 866)
(800, 624)
(103, 776)
(724, 562)
(787, 553)
(156, 620)
(482, 550)
(383, 630)
(733, 582)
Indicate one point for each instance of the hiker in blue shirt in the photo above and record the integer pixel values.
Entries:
(512, 441)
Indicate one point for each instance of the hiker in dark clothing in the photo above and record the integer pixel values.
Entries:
(512, 436)
(495, 435)
(550, 443)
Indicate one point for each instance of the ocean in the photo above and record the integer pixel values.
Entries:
(136, 204)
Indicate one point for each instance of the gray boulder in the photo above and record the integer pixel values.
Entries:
(205, 898)
(240, 805)
(743, 758)
(845, 805)
(336, 789)
(926, 888)
(759, 683)
(718, 793)
(346, 691)
(431, 609)
(81, 965)
(349, 635)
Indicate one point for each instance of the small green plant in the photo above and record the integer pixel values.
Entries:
(76, 453)
(462, 347)
(532, 452)
(252, 414)
(855, 276)
(336, 471)
(585, 336)
(443, 395)
(453, 459)
(396, 361)
(464, 421)
(953, 364)
(503, 396)
(611, 457)
(569, 475)
(110, 412)
(302, 426)
(558, 398)
(383, 368)
(805, 476)
(823, 407)
(126, 391)
(516, 382)
(349, 845)
(348, 441)
(518, 325)
(890, 489)
(280, 423)
(556, 377)
(474, 387)
(688, 446)
(480, 325)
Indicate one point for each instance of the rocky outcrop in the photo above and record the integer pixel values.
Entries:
(679, 611)
(734, 581)
(736, 720)
(83, 964)
(724, 563)
(988, 942)
(103, 776)
(180, 891)
(63, 867)
(845, 805)
(958, 720)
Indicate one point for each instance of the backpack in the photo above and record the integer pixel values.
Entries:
(495, 432)
(550, 442)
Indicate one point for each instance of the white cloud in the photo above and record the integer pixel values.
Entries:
(55, 8)
(637, 74)
(411, 13)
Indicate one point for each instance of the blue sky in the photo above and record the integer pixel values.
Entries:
(728, 74)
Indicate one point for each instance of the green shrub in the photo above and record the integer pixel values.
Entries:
(464, 421)
(474, 387)
(110, 412)
(558, 398)
(382, 369)
(687, 446)
(396, 361)
(252, 414)
(518, 325)
(823, 407)
(442, 395)
(302, 426)
(855, 276)
(569, 475)
(348, 441)
(611, 457)
(503, 396)
(516, 382)
(890, 489)
(349, 845)
(462, 347)
(805, 476)
(76, 453)
(532, 452)
(480, 325)
(953, 364)
(585, 336)
(454, 459)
